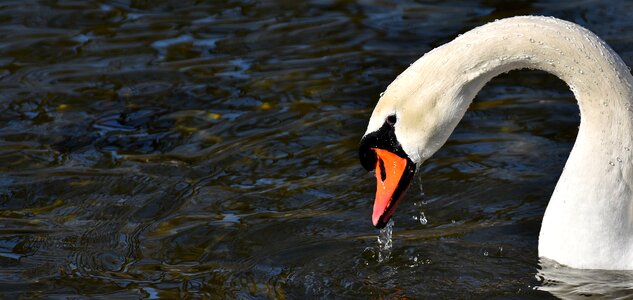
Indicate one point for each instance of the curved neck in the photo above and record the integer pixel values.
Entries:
(588, 222)
(599, 79)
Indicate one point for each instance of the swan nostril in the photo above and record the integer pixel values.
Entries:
(383, 173)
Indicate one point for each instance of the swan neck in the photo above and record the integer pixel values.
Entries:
(597, 76)
(587, 223)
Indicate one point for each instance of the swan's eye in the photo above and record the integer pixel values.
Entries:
(391, 120)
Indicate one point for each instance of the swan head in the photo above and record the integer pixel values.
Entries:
(411, 121)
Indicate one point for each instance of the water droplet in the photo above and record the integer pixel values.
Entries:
(422, 218)
(485, 253)
(627, 148)
(612, 163)
(420, 187)
(532, 41)
(618, 159)
(605, 103)
(382, 94)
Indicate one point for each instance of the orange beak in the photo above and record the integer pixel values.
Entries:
(390, 169)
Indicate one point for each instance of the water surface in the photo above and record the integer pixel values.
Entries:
(209, 149)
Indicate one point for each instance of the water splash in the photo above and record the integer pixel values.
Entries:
(385, 242)
(422, 218)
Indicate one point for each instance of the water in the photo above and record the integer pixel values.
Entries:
(191, 149)
(385, 242)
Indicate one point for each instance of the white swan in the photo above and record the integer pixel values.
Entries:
(588, 222)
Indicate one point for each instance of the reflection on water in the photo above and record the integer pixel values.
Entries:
(568, 283)
(209, 148)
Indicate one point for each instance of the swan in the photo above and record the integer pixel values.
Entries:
(588, 223)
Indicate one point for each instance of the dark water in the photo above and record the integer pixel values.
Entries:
(194, 149)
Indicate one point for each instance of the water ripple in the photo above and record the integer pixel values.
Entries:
(188, 149)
